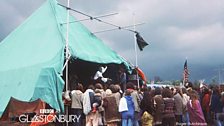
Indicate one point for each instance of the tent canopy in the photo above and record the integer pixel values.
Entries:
(32, 56)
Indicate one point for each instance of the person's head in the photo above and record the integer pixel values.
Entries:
(121, 69)
(216, 90)
(184, 90)
(108, 92)
(130, 85)
(149, 88)
(100, 69)
(135, 88)
(211, 87)
(128, 92)
(98, 86)
(190, 85)
(167, 93)
(178, 90)
(97, 91)
(112, 88)
(144, 88)
(91, 87)
(193, 95)
(158, 91)
(206, 91)
(147, 98)
(117, 88)
(79, 86)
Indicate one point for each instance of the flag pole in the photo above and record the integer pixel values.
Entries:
(184, 73)
(67, 53)
(183, 81)
(136, 53)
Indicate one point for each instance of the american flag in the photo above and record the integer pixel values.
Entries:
(185, 73)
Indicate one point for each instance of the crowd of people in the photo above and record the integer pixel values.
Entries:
(177, 106)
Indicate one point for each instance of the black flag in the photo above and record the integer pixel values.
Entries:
(140, 41)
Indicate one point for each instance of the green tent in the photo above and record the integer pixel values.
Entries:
(32, 56)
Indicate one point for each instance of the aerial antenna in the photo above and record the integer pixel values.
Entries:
(91, 18)
(97, 19)
(118, 28)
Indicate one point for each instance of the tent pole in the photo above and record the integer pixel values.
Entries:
(67, 54)
(66, 46)
(136, 53)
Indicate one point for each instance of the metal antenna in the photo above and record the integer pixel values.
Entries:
(91, 17)
(120, 28)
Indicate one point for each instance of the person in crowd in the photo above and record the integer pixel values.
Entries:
(92, 118)
(147, 108)
(221, 115)
(112, 116)
(116, 92)
(189, 86)
(195, 111)
(178, 101)
(76, 105)
(127, 109)
(141, 92)
(186, 98)
(136, 100)
(98, 77)
(159, 106)
(122, 78)
(118, 89)
(169, 106)
(216, 105)
(205, 104)
(97, 101)
(173, 90)
(101, 95)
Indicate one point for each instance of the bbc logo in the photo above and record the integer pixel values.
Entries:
(46, 111)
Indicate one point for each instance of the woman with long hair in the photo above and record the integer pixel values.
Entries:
(194, 110)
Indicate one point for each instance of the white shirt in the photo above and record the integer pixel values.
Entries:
(100, 74)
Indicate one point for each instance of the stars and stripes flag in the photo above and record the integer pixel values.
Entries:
(185, 73)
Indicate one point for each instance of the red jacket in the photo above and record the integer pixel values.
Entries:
(205, 102)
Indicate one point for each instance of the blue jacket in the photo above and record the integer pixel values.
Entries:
(131, 109)
(216, 104)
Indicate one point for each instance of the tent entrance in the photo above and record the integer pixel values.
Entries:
(81, 71)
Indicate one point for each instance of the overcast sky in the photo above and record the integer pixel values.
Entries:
(174, 29)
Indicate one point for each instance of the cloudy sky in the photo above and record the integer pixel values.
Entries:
(174, 29)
